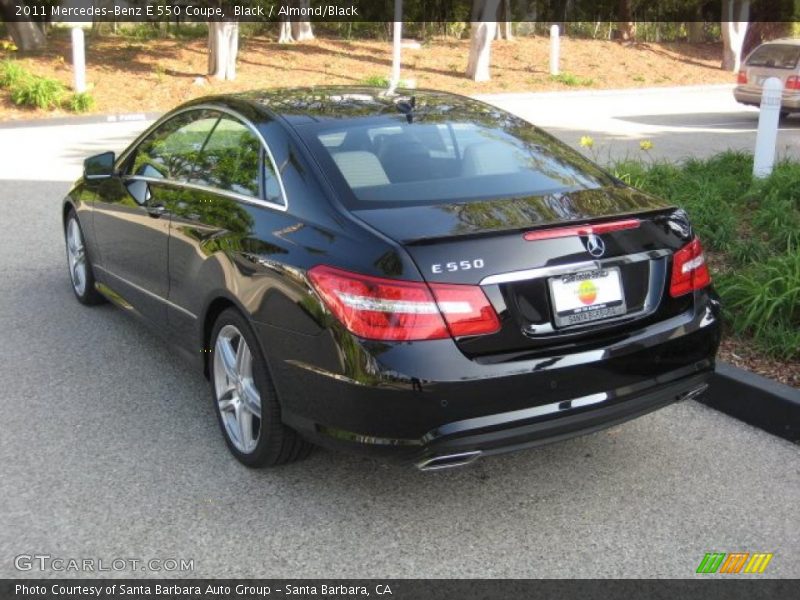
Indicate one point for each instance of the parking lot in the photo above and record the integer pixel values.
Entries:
(111, 450)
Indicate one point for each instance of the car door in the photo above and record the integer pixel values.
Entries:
(218, 212)
(132, 219)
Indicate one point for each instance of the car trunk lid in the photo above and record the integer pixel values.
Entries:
(531, 282)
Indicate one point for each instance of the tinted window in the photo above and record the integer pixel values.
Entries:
(172, 150)
(231, 159)
(778, 56)
(449, 161)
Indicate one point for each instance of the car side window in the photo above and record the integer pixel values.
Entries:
(231, 159)
(172, 150)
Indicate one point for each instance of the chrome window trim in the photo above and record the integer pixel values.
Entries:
(254, 200)
(514, 276)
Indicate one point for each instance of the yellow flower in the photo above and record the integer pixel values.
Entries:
(587, 141)
(646, 145)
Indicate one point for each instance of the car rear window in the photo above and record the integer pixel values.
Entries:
(776, 56)
(433, 161)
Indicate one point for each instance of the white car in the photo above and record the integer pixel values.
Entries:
(779, 58)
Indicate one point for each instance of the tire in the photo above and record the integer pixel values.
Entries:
(81, 274)
(245, 399)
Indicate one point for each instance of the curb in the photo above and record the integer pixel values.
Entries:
(87, 120)
(756, 400)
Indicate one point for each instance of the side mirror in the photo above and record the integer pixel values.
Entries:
(99, 166)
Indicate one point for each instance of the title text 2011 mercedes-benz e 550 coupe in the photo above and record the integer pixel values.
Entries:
(419, 276)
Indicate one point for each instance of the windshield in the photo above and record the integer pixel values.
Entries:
(776, 56)
(393, 161)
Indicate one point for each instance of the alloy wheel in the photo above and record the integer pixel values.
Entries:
(237, 396)
(76, 256)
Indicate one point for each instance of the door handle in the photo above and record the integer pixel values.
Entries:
(156, 211)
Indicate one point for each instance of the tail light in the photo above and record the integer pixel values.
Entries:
(689, 270)
(793, 83)
(742, 77)
(393, 309)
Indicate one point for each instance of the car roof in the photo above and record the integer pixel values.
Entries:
(314, 104)
(785, 41)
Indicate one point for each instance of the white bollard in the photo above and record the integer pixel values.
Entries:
(767, 135)
(78, 60)
(396, 50)
(397, 43)
(555, 45)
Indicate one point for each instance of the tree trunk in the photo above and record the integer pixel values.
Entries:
(735, 15)
(223, 45)
(504, 28)
(301, 30)
(482, 33)
(285, 33)
(625, 26)
(27, 35)
(696, 31)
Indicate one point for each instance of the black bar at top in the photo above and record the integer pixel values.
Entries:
(556, 11)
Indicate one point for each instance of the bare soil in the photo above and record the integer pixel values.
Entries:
(127, 74)
(739, 353)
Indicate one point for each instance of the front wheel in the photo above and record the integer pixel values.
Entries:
(80, 267)
(245, 399)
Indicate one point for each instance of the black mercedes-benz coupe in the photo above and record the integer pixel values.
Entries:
(414, 274)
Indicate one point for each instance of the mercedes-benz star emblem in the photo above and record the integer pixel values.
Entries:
(595, 246)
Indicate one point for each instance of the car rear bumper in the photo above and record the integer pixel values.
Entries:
(462, 442)
(416, 402)
(752, 97)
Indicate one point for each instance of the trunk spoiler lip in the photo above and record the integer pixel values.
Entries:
(584, 229)
(583, 221)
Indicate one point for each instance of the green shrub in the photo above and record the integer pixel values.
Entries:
(764, 300)
(776, 207)
(572, 80)
(376, 80)
(40, 92)
(11, 73)
(81, 102)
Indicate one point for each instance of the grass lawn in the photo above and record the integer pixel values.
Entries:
(751, 232)
(128, 74)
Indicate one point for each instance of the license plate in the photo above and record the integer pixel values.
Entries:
(587, 296)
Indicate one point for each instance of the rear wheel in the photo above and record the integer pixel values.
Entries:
(245, 399)
(80, 267)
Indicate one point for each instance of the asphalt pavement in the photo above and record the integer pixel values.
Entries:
(110, 450)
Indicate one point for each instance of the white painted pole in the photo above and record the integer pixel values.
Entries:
(78, 60)
(397, 40)
(767, 135)
(555, 47)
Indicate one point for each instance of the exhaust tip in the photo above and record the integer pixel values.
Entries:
(448, 461)
(694, 393)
